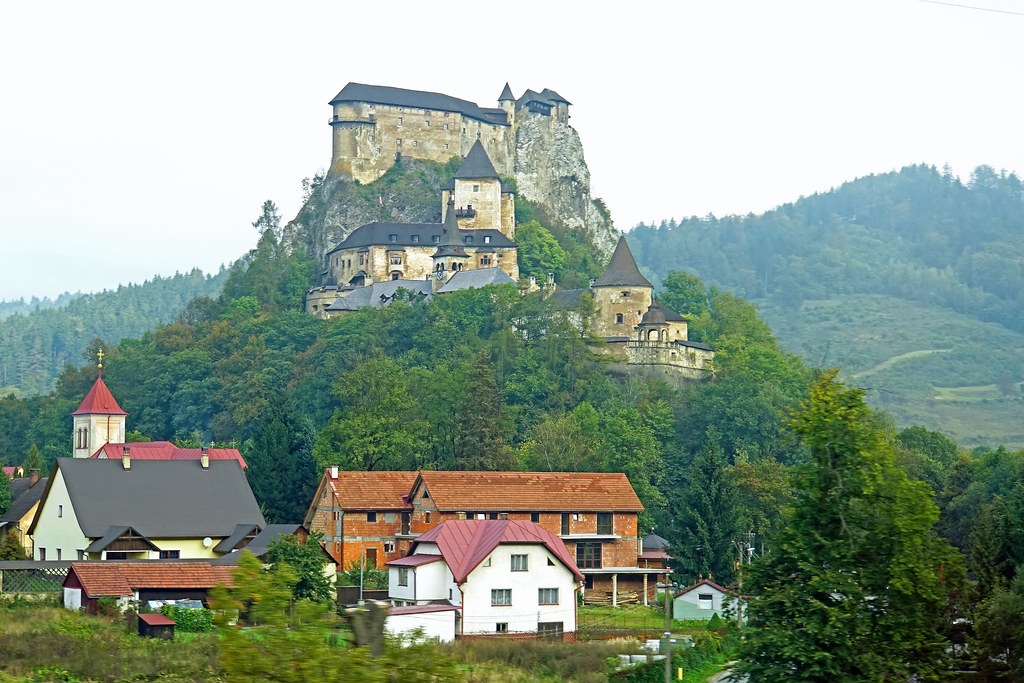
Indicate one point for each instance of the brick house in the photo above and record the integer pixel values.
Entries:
(381, 514)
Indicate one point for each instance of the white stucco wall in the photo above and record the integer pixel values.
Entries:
(58, 527)
(525, 612)
(438, 626)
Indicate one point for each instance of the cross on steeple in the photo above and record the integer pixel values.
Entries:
(100, 354)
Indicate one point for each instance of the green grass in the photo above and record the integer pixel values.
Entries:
(923, 365)
(629, 616)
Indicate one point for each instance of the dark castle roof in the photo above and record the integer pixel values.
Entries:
(477, 164)
(622, 270)
(506, 94)
(669, 315)
(400, 97)
(452, 243)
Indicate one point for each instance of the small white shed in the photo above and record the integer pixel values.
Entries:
(436, 621)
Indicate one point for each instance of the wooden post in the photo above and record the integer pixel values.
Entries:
(615, 590)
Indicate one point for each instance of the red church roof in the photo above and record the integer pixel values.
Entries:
(165, 450)
(99, 401)
(465, 543)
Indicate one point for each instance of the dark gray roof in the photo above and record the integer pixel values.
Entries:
(380, 234)
(553, 96)
(452, 243)
(158, 498)
(23, 497)
(670, 315)
(693, 345)
(470, 279)
(240, 532)
(622, 270)
(378, 294)
(654, 542)
(533, 96)
(477, 164)
(400, 97)
(566, 298)
(506, 94)
(258, 546)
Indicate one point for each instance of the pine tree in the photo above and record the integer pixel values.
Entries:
(33, 461)
(281, 470)
(481, 422)
(856, 585)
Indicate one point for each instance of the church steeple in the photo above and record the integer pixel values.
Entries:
(98, 420)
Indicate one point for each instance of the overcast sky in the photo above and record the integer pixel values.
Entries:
(139, 138)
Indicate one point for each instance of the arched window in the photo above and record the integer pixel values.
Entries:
(618, 317)
(396, 275)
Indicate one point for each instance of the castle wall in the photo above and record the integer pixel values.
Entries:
(366, 138)
(414, 263)
(484, 195)
(319, 298)
(611, 302)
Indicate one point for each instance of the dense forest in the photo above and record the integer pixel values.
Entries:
(913, 281)
(37, 339)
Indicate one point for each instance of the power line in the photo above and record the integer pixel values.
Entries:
(980, 9)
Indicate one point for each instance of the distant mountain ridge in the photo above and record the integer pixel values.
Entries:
(825, 268)
(35, 345)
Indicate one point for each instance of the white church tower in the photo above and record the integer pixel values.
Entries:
(98, 420)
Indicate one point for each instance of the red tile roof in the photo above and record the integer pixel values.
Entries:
(530, 491)
(165, 450)
(156, 619)
(115, 579)
(99, 401)
(465, 543)
(372, 490)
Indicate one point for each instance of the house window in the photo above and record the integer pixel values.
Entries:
(170, 554)
(551, 630)
(117, 555)
(58, 554)
(42, 554)
(535, 517)
(604, 523)
(427, 516)
(588, 555)
(547, 596)
(60, 510)
(618, 317)
(705, 601)
(389, 547)
(501, 597)
(492, 515)
(371, 557)
(405, 523)
(551, 563)
(403, 576)
(392, 238)
(565, 523)
(501, 626)
(520, 563)
(487, 562)
(371, 516)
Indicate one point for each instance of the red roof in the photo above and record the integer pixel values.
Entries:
(165, 450)
(530, 491)
(372, 490)
(465, 543)
(99, 401)
(116, 579)
(413, 560)
(156, 619)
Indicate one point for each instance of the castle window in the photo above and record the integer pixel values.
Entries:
(436, 239)
(446, 125)
(618, 317)
(487, 239)
(625, 294)
(415, 239)
(392, 238)
(415, 143)
(372, 137)
(396, 259)
(361, 259)
(468, 239)
(478, 135)
(395, 275)
(378, 150)
(398, 142)
(446, 145)
(427, 123)
(399, 120)
(485, 260)
(476, 188)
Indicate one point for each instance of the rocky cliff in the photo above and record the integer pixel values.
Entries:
(550, 170)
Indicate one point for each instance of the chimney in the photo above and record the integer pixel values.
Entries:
(33, 477)
(334, 472)
(126, 457)
(204, 457)
(533, 282)
(592, 281)
(551, 279)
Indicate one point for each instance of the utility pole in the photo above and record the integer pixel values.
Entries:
(668, 636)
(739, 590)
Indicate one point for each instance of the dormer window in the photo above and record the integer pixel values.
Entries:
(487, 239)
(469, 239)
(392, 238)
(415, 239)
(436, 239)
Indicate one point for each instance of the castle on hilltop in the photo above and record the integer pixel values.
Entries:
(373, 125)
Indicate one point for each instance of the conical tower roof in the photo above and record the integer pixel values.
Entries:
(506, 94)
(622, 270)
(451, 243)
(99, 401)
(477, 164)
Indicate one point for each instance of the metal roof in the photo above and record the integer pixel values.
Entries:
(379, 234)
(465, 543)
(99, 401)
(165, 450)
(476, 164)
(378, 294)
(470, 279)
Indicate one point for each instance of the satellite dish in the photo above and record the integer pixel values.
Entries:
(207, 542)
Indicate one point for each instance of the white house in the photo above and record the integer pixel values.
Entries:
(504, 576)
(702, 600)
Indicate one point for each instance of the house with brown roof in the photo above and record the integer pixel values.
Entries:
(135, 583)
(502, 576)
(379, 515)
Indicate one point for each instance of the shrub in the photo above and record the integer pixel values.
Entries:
(189, 619)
